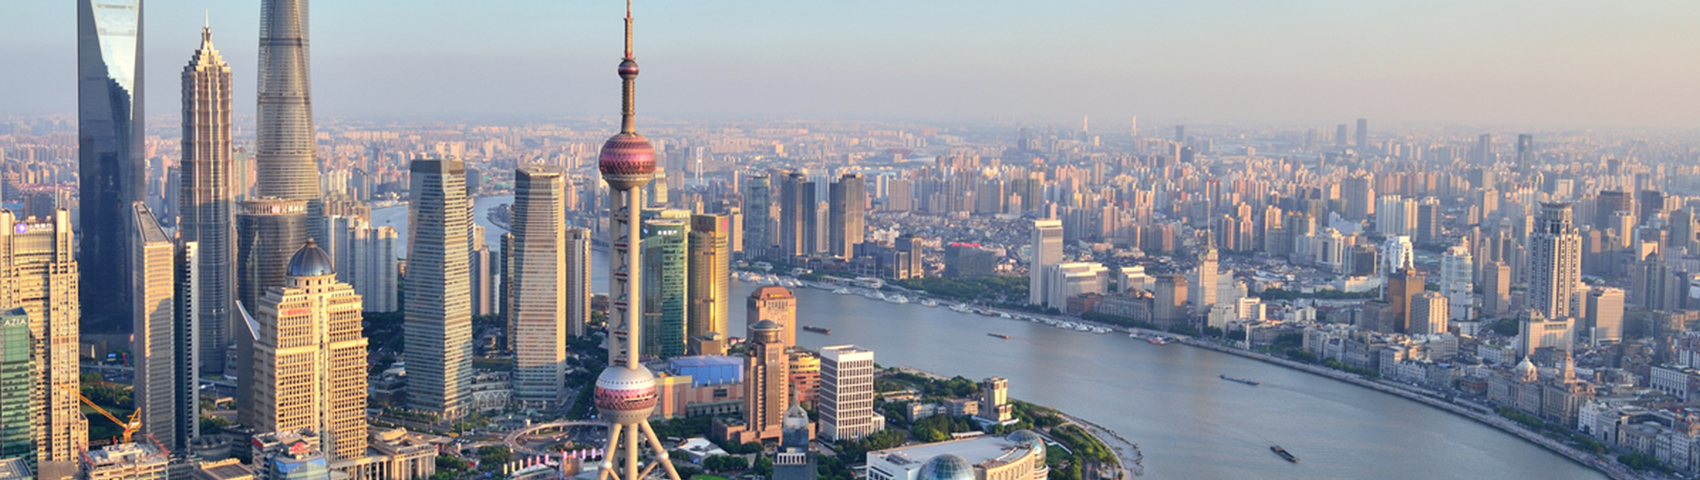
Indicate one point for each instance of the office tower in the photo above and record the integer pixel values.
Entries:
(1652, 203)
(1357, 197)
(1604, 315)
(1456, 282)
(847, 394)
(538, 294)
(310, 356)
(794, 460)
(1525, 151)
(776, 304)
(625, 391)
(266, 229)
(1427, 227)
(994, 400)
(1205, 294)
(438, 317)
(578, 281)
(1555, 262)
(40, 276)
(185, 329)
(1428, 314)
(758, 191)
(1606, 205)
(710, 283)
(819, 228)
(1047, 250)
(1535, 331)
(204, 201)
(1363, 134)
(284, 136)
(154, 344)
(1170, 298)
(796, 215)
(16, 364)
(1496, 290)
(767, 381)
(1402, 287)
(664, 289)
(1340, 136)
(849, 202)
(111, 165)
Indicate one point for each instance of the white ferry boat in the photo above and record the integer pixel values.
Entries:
(929, 303)
(897, 299)
(959, 308)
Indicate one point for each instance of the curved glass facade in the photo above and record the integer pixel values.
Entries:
(947, 467)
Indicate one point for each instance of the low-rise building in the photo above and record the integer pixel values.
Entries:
(1017, 456)
(142, 460)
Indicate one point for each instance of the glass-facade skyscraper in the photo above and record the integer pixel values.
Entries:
(204, 207)
(15, 367)
(664, 272)
(110, 146)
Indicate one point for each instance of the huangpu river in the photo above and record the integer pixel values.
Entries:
(1168, 399)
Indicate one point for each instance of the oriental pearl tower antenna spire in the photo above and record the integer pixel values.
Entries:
(625, 392)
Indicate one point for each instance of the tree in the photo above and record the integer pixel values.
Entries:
(725, 463)
(491, 458)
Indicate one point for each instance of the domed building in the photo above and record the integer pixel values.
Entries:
(1017, 456)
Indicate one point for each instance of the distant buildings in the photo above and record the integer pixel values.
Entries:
(847, 394)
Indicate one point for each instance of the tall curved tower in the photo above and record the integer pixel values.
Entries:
(625, 392)
(284, 141)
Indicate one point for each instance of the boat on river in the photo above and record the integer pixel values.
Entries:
(1283, 453)
(1239, 380)
(1158, 340)
(929, 303)
(999, 335)
(820, 330)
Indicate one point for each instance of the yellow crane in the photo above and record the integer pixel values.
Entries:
(129, 427)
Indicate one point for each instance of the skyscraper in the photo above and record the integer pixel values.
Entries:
(1169, 307)
(578, 281)
(284, 136)
(1457, 282)
(310, 357)
(186, 328)
(1555, 262)
(625, 391)
(1357, 196)
(1047, 250)
(776, 304)
(438, 311)
(1403, 286)
(204, 202)
(767, 384)
(1604, 317)
(1363, 134)
(710, 283)
(758, 199)
(16, 364)
(265, 230)
(665, 285)
(847, 394)
(1428, 314)
(796, 216)
(849, 198)
(1525, 151)
(110, 165)
(40, 277)
(1496, 290)
(538, 294)
(1206, 292)
(154, 342)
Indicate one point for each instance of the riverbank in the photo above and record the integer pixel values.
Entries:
(1129, 456)
(1611, 469)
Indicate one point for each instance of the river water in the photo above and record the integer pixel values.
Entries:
(1167, 399)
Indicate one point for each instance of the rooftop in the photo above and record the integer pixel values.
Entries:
(977, 451)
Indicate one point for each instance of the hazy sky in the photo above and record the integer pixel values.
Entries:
(1322, 62)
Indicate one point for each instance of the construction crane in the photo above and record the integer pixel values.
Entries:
(130, 427)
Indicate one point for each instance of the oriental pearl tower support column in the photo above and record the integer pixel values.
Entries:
(625, 392)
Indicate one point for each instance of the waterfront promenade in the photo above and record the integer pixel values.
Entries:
(1606, 466)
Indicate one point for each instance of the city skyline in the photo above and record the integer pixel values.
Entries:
(1557, 66)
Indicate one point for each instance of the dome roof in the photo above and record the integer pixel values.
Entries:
(1525, 370)
(311, 261)
(767, 325)
(1032, 439)
(947, 467)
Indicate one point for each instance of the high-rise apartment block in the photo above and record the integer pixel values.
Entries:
(710, 283)
(847, 394)
(1047, 250)
(538, 295)
(111, 166)
(310, 357)
(1429, 313)
(1603, 319)
(1496, 290)
(38, 274)
(776, 304)
(205, 205)
(1555, 262)
(438, 314)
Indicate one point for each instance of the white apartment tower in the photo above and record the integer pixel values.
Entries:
(1047, 250)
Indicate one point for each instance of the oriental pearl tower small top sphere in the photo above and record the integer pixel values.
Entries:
(628, 160)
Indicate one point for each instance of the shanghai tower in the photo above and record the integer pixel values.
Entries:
(283, 151)
(110, 145)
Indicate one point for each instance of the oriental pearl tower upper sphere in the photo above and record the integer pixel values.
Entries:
(628, 160)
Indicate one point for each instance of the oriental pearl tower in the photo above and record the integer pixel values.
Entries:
(625, 392)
